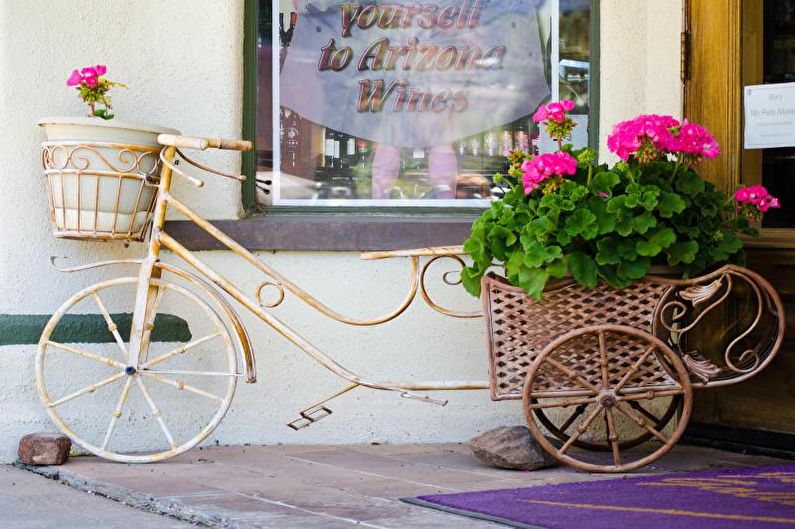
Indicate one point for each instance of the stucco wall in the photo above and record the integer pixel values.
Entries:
(182, 60)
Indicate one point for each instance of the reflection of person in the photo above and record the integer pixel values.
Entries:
(442, 170)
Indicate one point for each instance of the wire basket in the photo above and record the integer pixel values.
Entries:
(99, 190)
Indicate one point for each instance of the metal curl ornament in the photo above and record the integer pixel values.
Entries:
(446, 279)
(280, 294)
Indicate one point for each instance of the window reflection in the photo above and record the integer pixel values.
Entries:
(318, 164)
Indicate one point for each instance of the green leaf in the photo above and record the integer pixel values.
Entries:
(557, 268)
(537, 254)
(656, 242)
(470, 279)
(689, 182)
(533, 280)
(604, 182)
(634, 269)
(643, 222)
(682, 252)
(607, 251)
(670, 204)
(583, 269)
(582, 222)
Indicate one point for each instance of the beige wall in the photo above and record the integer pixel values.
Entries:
(183, 62)
(639, 61)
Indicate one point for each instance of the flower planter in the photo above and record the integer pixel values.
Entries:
(100, 176)
(582, 353)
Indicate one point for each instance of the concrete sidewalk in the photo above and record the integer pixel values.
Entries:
(32, 502)
(328, 487)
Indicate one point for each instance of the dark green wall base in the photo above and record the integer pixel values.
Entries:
(24, 329)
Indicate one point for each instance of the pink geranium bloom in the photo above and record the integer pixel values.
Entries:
(755, 197)
(645, 137)
(545, 166)
(74, 79)
(555, 111)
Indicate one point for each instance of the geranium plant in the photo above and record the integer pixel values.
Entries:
(93, 87)
(563, 213)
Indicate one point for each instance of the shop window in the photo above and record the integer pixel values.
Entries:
(404, 104)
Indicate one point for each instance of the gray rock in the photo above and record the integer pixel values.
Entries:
(510, 447)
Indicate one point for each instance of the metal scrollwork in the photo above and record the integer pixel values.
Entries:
(448, 279)
(694, 301)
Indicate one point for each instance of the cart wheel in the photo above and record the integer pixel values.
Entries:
(180, 391)
(613, 372)
(659, 422)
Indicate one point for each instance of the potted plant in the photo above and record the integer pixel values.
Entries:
(564, 214)
(98, 169)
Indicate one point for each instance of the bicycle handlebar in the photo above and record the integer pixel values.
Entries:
(202, 144)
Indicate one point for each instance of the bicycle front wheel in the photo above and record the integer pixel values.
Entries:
(178, 393)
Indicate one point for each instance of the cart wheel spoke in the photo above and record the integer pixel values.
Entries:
(635, 405)
(612, 436)
(562, 403)
(652, 394)
(112, 327)
(85, 354)
(573, 417)
(603, 360)
(125, 392)
(91, 388)
(581, 429)
(156, 413)
(572, 375)
(179, 350)
(181, 385)
(640, 421)
(635, 367)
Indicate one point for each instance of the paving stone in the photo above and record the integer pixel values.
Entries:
(511, 447)
(44, 449)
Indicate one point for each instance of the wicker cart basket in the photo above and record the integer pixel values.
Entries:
(607, 370)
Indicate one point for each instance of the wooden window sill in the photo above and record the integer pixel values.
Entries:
(330, 232)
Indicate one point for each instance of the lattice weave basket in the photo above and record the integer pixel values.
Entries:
(519, 328)
(100, 191)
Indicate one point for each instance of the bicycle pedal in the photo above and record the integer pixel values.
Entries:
(424, 398)
(309, 416)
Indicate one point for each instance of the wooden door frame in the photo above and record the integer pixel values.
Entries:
(737, 32)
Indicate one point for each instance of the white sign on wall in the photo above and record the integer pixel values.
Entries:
(769, 116)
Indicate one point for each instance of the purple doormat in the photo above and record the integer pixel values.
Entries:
(748, 498)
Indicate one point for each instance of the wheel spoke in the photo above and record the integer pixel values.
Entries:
(640, 421)
(612, 436)
(179, 384)
(571, 374)
(156, 412)
(635, 405)
(573, 417)
(603, 360)
(651, 394)
(188, 372)
(179, 350)
(117, 413)
(561, 403)
(88, 389)
(581, 429)
(86, 354)
(112, 327)
(635, 367)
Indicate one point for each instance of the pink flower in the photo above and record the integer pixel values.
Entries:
(74, 79)
(695, 140)
(101, 69)
(555, 111)
(545, 166)
(749, 197)
(645, 137)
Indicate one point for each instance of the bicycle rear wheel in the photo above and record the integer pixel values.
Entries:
(175, 397)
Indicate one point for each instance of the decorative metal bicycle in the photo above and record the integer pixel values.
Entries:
(177, 339)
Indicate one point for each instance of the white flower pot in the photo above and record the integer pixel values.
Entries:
(100, 175)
